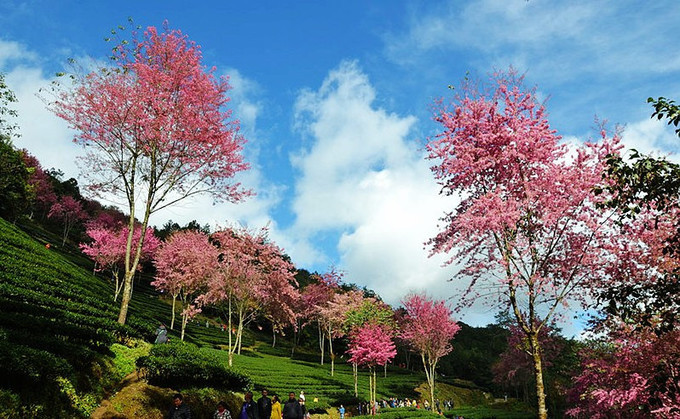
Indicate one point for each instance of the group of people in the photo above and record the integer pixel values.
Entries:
(264, 408)
(293, 408)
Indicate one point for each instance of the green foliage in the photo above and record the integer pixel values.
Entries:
(403, 413)
(56, 327)
(476, 349)
(509, 410)
(84, 404)
(644, 183)
(665, 108)
(6, 98)
(183, 365)
(14, 188)
(125, 357)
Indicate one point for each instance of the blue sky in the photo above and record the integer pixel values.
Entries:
(336, 100)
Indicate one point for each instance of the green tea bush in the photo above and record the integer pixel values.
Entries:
(183, 365)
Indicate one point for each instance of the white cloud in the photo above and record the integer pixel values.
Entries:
(564, 39)
(652, 136)
(12, 52)
(41, 132)
(363, 177)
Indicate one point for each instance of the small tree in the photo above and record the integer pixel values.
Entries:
(184, 265)
(371, 346)
(69, 211)
(156, 129)
(107, 250)
(428, 328)
(317, 295)
(333, 317)
(42, 190)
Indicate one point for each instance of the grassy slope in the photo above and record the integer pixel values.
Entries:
(56, 328)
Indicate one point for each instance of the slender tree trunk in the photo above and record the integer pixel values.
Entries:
(429, 366)
(185, 319)
(231, 350)
(67, 227)
(273, 337)
(296, 332)
(330, 350)
(370, 390)
(374, 395)
(355, 372)
(538, 370)
(172, 320)
(239, 330)
(321, 342)
(132, 260)
(119, 286)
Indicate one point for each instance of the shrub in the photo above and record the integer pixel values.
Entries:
(183, 365)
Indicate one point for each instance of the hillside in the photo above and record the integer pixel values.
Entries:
(62, 352)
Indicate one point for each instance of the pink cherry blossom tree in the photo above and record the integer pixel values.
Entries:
(156, 129)
(333, 315)
(251, 275)
(184, 264)
(107, 249)
(372, 346)
(635, 375)
(428, 329)
(632, 371)
(40, 183)
(367, 310)
(527, 229)
(317, 295)
(69, 211)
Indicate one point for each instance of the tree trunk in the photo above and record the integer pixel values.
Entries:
(132, 260)
(185, 319)
(231, 350)
(330, 350)
(355, 372)
(374, 396)
(371, 384)
(66, 230)
(119, 286)
(239, 331)
(321, 342)
(273, 337)
(127, 296)
(430, 366)
(172, 321)
(538, 371)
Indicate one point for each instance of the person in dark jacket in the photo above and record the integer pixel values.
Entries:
(179, 410)
(264, 406)
(249, 408)
(161, 334)
(292, 409)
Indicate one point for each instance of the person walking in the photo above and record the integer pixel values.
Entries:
(222, 412)
(179, 410)
(161, 334)
(342, 412)
(276, 408)
(292, 408)
(264, 405)
(249, 407)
